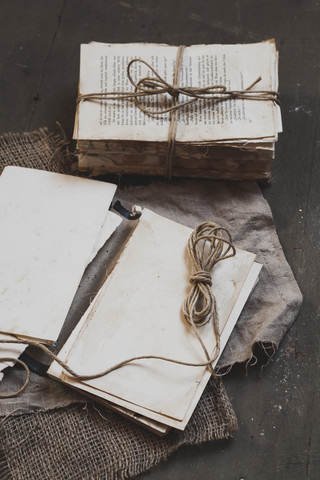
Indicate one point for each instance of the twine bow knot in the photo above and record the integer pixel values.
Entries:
(155, 86)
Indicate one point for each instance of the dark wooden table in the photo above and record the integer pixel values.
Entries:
(39, 61)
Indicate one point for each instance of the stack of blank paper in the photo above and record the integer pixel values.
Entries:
(138, 312)
(50, 224)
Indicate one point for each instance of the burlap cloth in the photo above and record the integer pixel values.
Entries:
(84, 440)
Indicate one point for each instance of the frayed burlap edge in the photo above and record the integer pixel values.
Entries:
(39, 149)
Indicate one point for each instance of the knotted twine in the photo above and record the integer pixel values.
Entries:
(151, 86)
(208, 244)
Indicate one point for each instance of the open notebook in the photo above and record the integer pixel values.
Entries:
(138, 312)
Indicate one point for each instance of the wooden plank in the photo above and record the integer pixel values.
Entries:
(27, 36)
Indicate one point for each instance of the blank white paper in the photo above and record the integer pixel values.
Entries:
(49, 226)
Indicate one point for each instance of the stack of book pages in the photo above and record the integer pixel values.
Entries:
(231, 136)
(52, 225)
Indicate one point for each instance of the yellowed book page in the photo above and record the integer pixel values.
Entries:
(138, 312)
(103, 67)
(49, 225)
(236, 67)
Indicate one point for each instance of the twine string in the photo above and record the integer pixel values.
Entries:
(207, 245)
(155, 86)
(173, 123)
(25, 366)
(151, 86)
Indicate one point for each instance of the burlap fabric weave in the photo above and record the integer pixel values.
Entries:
(40, 149)
(82, 442)
(91, 442)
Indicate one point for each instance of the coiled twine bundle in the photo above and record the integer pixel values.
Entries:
(208, 244)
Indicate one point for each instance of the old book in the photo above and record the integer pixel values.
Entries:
(231, 139)
(138, 312)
